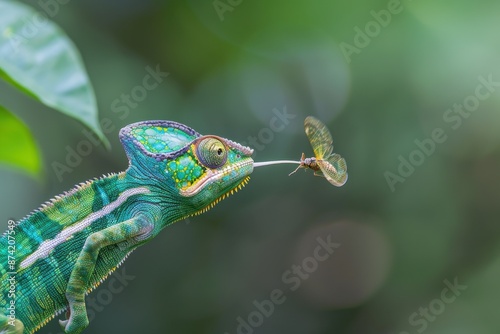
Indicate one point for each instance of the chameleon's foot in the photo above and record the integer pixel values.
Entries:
(77, 320)
(10, 326)
(63, 324)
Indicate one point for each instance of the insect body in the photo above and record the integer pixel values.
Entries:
(325, 163)
(308, 163)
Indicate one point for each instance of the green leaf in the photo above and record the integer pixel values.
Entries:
(18, 147)
(41, 61)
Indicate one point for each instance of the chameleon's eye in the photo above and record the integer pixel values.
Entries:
(211, 152)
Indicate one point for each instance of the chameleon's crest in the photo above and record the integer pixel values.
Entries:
(158, 139)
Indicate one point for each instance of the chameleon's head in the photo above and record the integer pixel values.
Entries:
(201, 169)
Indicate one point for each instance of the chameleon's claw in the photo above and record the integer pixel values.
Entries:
(7, 327)
(63, 324)
(76, 320)
(71, 327)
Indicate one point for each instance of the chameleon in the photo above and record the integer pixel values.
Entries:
(53, 257)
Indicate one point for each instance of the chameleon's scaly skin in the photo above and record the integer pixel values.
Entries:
(68, 246)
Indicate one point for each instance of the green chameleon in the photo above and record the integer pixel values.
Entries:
(52, 258)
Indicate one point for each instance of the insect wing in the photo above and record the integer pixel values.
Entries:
(334, 169)
(319, 137)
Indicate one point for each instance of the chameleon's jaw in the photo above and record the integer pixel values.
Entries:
(231, 175)
(225, 195)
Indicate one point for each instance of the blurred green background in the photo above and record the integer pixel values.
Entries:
(231, 70)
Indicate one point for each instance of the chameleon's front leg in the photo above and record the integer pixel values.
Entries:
(7, 326)
(85, 264)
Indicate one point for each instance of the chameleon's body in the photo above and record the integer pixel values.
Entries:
(68, 246)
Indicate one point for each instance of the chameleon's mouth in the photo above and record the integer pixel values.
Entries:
(227, 194)
(227, 174)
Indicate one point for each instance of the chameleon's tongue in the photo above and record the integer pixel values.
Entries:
(275, 162)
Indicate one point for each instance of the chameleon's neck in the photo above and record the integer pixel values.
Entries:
(163, 194)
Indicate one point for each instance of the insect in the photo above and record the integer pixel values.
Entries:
(325, 163)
